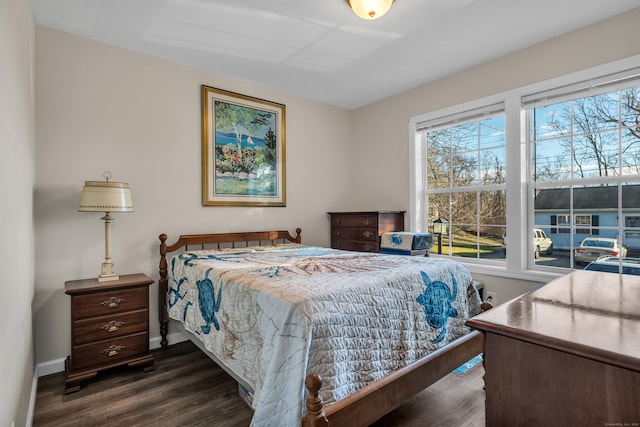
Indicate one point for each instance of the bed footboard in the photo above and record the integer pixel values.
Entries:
(377, 399)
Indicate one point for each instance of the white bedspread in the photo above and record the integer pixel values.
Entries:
(274, 314)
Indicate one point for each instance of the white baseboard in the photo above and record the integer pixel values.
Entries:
(32, 399)
(55, 366)
(50, 367)
(174, 338)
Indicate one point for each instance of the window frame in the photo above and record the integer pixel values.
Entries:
(477, 118)
(519, 263)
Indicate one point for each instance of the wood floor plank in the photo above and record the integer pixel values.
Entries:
(188, 389)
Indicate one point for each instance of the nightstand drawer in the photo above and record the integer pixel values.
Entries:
(105, 303)
(107, 327)
(108, 352)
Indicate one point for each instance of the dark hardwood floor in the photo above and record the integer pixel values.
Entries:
(188, 389)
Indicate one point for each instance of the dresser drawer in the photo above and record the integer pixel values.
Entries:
(105, 303)
(355, 234)
(109, 351)
(355, 221)
(107, 327)
(355, 245)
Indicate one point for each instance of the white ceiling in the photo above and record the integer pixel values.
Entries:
(318, 48)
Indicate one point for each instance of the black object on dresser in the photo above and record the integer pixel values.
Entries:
(109, 326)
(361, 231)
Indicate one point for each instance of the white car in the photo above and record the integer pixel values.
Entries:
(592, 248)
(541, 243)
(613, 264)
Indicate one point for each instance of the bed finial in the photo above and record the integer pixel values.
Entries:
(298, 237)
(315, 416)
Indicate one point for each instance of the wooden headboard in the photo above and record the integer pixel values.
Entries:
(233, 240)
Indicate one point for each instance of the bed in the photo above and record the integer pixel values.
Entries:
(314, 335)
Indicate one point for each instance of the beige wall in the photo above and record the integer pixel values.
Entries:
(17, 176)
(381, 133)
(104, 108)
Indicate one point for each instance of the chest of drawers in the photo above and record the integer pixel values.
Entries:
(109, 326)
(566, 354)
(361, 231)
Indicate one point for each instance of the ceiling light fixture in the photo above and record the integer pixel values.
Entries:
(370, 9)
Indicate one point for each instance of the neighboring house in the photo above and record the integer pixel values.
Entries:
(595, 213)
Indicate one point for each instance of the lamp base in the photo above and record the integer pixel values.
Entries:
(108, 272)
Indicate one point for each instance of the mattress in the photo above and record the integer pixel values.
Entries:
(271, 315)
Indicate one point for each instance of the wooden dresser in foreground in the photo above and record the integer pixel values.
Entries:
(566, 354)
(361, 231)
(109, 326)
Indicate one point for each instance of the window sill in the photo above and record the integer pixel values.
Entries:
(492, 269)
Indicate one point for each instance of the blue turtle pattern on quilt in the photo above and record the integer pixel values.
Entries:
(209, 303)
(437, 299)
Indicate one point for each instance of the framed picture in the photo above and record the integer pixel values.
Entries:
(243, 150)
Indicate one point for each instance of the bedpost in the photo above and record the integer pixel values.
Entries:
(163, 285)
(298, 237)
(315, 416)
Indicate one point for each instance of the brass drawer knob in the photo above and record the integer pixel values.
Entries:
(112, 326)
(366, 248)
(366, 222)
(112, 302)
(367, 234)
(113, 350)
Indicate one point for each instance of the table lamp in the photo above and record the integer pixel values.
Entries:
(106, 196)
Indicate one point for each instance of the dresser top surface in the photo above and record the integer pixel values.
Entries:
(366, 212)
(585, 312)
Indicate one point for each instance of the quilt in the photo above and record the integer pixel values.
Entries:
(274, 314)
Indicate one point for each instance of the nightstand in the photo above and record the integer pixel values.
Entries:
(109, 327)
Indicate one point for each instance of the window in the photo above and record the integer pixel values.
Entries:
(464, 181)
(584, 143)
(559, 156)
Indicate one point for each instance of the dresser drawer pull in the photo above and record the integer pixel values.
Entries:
(113, 350)
(338, 233)
(337, 222)
(366, 248)
(112, 326)
(366, 222)
(112, 302)
(367, 234)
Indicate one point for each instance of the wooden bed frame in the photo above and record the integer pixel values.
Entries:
(366, 405)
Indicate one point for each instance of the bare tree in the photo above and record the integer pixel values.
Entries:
(589, 131)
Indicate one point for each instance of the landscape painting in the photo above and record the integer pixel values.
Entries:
(243, 150)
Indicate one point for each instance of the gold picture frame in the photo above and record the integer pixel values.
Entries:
(243, 150)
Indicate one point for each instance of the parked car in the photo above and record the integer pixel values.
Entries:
(592, 248)
(612, 265)
(541, 243)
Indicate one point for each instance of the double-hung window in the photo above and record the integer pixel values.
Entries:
(464, 175)
(584, 143)
(561, 156)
